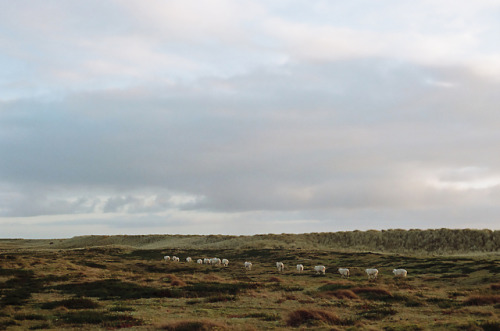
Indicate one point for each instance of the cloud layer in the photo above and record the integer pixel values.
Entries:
(216, 117)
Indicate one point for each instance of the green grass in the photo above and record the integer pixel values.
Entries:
(71, 289)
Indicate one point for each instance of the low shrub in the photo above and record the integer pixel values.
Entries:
(373, 293)
(442, 302)
(207, 289)
(114, 288)
(311, 316)
(332, 286)
(264, 316)
(490, 326)
(121, 309)
(30, 317)
(5, 324)
(41, 326)
(480, 300)
(220, 298)
(202, 325)
(411, 327)
(377, 313)
(495, 286)
(276, 280)
(103, 318)
(73, 303)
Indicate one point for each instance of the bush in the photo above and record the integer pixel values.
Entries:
(336, 286)
(74, 303)
(264, 316)
(480, 300)
(495, 286)
(203, 325)
(311, 316)
(114, 288)
(220, 298)
(378, 313)
(373, 293)
(102, 318)
(30, 317)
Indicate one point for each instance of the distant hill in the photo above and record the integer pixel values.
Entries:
(439, 241)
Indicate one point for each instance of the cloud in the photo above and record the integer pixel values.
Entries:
(226, 115)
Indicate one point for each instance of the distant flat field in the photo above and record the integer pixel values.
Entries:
(110, 287)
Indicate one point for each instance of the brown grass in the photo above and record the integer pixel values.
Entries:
(175, 281)
(276, 279)
(480, 300)
(309, 316)
(190, 325)
(178, 282)
(339, 294)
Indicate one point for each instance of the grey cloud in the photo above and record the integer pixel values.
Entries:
(303, 137)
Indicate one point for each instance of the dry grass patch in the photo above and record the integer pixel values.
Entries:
(174, 280)
(276, 279)
(311, 316)
(339, 294)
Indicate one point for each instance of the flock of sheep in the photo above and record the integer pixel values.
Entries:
(320, 269)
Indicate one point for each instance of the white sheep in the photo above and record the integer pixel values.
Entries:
(188, 259)
(320, 269)
(344, 272)
(225, 262)
(372, 273)
(248, 265)
(199, 261)
(280, 266)
(166, 258)
(300, 268)
(399, 272)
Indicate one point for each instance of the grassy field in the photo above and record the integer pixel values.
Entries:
(110, 287)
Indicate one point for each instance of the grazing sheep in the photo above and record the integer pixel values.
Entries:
(166, 258)
(280, 266)
(300, 267)
(215, 261)
(199, 261)
(399, 272)
(206, 261)
(188, 259)
(248, 265)
(225, 262)
(344, 272)
(175, 259)
(320, 269)
(372, 273)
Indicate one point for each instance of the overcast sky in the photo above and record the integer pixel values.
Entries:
(244, 117)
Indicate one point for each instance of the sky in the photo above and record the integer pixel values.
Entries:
(248, 117)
